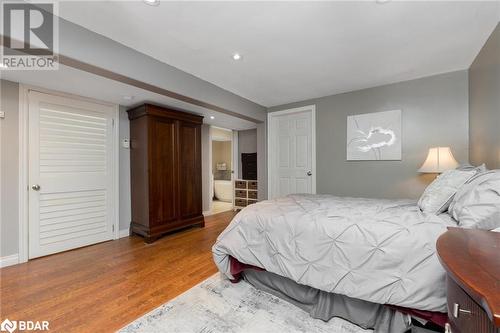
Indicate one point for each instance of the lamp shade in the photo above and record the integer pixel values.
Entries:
(438, 160)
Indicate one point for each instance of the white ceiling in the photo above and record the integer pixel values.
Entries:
(297, 50)
(77, 82)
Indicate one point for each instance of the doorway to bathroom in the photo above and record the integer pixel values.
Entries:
(222, 169)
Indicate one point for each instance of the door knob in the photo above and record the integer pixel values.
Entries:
(309, 173)
(35, 187)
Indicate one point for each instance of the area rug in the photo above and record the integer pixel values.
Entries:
(217, 305)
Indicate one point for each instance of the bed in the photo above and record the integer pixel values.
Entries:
(369, 250)
(370, 261)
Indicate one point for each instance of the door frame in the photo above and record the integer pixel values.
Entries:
(271, 144)
(23, 241)
(235, 158)
(212, 184)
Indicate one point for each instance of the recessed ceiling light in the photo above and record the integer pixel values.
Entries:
(128, 98)
(212, 117)
(236, 56)
(152, 2)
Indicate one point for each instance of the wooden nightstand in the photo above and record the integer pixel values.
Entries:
(471, 259)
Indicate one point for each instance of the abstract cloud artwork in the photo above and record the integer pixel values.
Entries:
(374, 136)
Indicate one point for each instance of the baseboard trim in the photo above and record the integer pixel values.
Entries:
(9, 260)
(207, 213)
(123, 233)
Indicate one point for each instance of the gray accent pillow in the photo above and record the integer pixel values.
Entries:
(438, 195)
(477, 204)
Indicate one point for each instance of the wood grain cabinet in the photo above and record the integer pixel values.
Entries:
(472, 262)
(165, 163)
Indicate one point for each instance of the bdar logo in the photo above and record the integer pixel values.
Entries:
(23, 325)
(9, 326)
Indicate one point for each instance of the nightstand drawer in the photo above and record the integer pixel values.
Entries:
(252, 194)
(465, 315)
(252, 184)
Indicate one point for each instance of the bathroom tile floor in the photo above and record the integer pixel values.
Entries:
(221, 206)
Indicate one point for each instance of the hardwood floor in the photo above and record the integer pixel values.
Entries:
(103, 287)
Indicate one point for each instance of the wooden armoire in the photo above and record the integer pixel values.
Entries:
(165, 164)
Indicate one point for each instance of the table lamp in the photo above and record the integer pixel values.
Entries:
(439, 159)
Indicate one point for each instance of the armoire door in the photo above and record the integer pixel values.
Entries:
(162, 171)
(189, 170)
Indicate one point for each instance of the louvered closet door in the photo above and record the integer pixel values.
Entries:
(71, 148)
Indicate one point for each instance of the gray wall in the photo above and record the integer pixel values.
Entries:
(9, 182)
(484, 104)
(247, 143)
(435, 113)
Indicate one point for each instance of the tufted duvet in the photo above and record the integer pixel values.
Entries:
(381, 251)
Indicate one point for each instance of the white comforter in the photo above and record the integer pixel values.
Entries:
(381, 251)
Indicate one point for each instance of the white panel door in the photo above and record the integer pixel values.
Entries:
(291, 152)
(71, 156)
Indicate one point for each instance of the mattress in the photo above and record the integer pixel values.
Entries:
(380, 251)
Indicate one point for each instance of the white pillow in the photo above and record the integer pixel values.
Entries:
(468, 167)
(477, 204)
(438, 195)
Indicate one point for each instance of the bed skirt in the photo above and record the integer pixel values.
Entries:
(324, 305)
